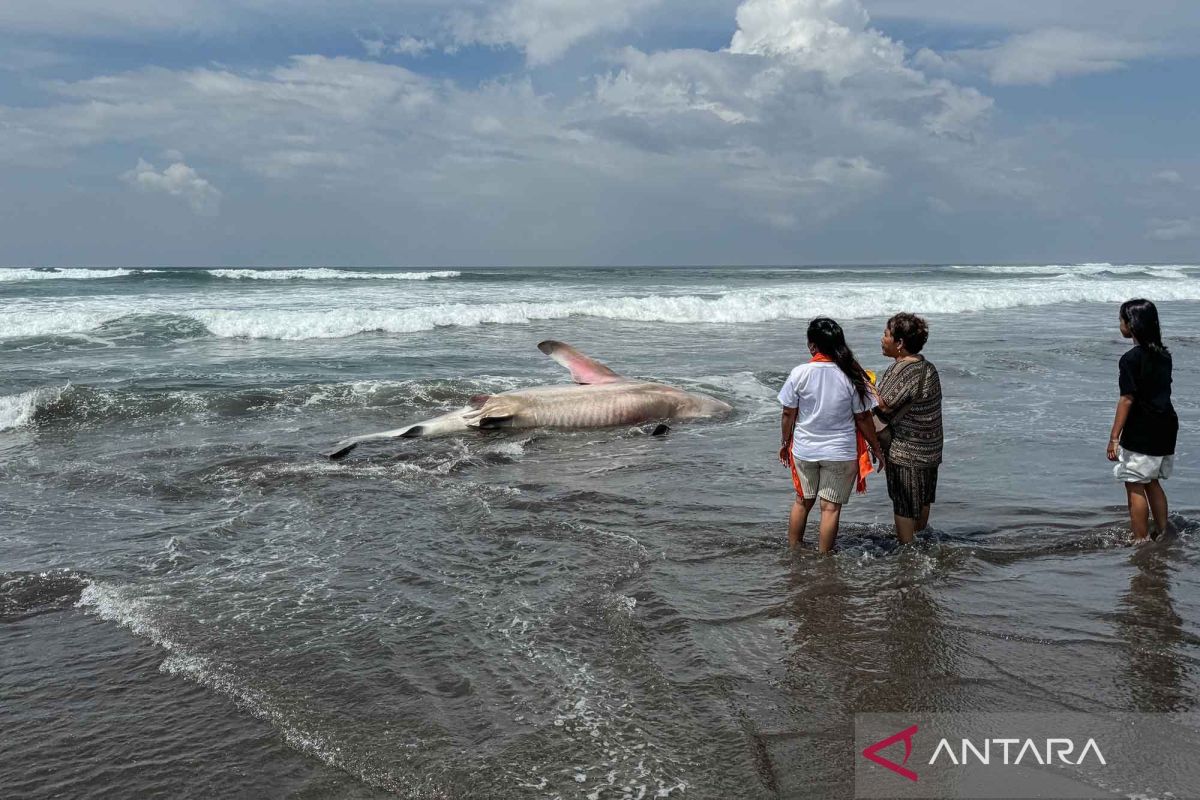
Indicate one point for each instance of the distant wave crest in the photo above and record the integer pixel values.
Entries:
(1168, 271)
(21, 274)
(332, 317)
(732, 307)
(17, 274)
(322, 274)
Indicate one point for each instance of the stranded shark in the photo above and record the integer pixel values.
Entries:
(601, 398)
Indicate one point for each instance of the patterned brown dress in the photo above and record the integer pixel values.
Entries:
(916, 447)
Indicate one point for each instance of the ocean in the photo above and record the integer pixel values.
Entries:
(193, 603)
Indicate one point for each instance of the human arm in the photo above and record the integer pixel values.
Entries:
(897, 388)
(1128, 370)
(787, 426)
(866, 426)
(1124, 405)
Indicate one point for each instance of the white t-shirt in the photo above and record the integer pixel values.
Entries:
(827, 403)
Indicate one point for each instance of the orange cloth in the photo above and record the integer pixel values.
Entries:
(864, 455)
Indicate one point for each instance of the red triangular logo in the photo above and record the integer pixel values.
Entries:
(872, 752)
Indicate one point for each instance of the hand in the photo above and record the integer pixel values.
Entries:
(783, 453)
(1113, 449)
(880, 460)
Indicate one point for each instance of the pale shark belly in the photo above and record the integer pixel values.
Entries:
(588, 409)
(601, 398)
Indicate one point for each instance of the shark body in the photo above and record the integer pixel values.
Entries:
(599, 398)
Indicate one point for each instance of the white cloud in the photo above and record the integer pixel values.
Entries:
(1044, 56)
(819, 87)
(830, 35)
(545, 29)
(411, 46)
(290, 163)
(1173, 230)
(807, 115)
(377, 46)
(1168, 176)
(1038, 43)
(177, 180)
(1168, 23)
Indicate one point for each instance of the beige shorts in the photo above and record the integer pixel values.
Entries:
(1134, 467)
(829, 480)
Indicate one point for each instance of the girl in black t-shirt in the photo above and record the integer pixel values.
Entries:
(1144, 430)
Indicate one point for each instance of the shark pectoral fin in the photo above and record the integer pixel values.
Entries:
(583, 369)
(497, 412)
(341, 451)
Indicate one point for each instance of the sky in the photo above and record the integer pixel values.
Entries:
(575, 132)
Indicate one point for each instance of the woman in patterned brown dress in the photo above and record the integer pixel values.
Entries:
(910, 402)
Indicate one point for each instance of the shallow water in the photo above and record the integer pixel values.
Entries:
(193, 603)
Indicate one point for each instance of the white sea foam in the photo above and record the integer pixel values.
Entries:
(323, 273)
(19, 323)
(607, 743)
(733, 307)
(18, 410)
(114, 604)
(1172, 271)
(301, 314)
(509, 449)
(11, 274)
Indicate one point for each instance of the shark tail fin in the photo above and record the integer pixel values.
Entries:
(452, 422)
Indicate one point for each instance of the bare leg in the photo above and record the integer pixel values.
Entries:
(798, 520)
(1158, 507)
(831, 516)
(923, 521)
(906, 529)
(1139, 511)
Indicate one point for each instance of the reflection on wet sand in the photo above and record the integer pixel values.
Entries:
(868, 636)
(1152, 635)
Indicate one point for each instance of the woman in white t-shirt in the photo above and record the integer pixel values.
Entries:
(827, 406)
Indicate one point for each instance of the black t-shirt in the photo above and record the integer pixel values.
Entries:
(1152, 425)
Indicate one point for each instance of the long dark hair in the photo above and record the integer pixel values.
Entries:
(1142, 318)
(827, 336)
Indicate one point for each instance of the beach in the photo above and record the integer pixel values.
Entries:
(194, 603)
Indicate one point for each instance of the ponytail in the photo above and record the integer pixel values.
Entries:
(829, 339)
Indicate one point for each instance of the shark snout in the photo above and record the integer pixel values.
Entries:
(703, 405)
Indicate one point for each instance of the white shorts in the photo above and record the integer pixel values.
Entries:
(1140, 468)
(830, 480)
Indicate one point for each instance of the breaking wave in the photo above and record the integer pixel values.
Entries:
(744, 306)
(366, 314)
(53, 273)
(18, 410)
(1167, 271)
(324, 273)
(19, 274)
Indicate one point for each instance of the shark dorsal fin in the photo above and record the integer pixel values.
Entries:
(583, 369)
